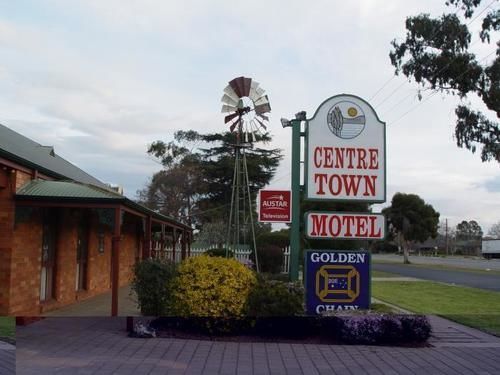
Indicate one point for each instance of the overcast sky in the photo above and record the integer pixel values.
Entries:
(101, 79)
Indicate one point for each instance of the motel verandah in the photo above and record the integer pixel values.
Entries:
(65, 236)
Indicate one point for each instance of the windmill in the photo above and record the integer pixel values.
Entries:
(247, 105)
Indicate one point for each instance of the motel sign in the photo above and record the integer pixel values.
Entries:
(345, 225)
(345, 152)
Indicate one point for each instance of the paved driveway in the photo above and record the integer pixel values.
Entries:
(7, 359)
(100, 346)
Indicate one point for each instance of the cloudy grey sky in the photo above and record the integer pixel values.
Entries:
(99, 80)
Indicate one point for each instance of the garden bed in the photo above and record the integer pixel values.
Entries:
(360, 329)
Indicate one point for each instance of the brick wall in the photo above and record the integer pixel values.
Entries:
(6, 227)
(26, 265)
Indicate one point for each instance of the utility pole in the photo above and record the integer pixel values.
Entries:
(446, 235)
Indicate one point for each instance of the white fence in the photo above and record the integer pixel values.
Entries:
(243, 255)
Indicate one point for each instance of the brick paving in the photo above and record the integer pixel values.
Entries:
(7, 359)
(100, 346)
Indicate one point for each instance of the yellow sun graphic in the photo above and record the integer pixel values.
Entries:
(352, 111)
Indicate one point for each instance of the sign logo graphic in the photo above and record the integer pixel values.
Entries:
(337, 283)
(346, 120)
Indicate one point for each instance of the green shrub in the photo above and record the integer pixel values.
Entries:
(219, 253)
(275, 298)
(280, 239)
(211, 287)
(270, 258)
(152, 283)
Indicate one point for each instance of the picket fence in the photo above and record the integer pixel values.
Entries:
(243, 255)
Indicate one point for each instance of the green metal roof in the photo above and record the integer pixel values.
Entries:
(16, 147)
(65, 189)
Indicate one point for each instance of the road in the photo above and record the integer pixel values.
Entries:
(452, 261)
(473, 279)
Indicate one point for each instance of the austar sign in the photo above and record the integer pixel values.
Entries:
(275, 206)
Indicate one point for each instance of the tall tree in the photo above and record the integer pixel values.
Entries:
(437, 55)
(411, 219)
(495, 230)
(469, 231)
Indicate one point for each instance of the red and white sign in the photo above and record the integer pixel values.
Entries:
(343, 225)
(345, 152)
(275, 206)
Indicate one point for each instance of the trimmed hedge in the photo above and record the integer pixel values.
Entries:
(152, 284)
(275, 298)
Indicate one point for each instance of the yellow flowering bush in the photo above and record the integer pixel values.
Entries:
(212, 287)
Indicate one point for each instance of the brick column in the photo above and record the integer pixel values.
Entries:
(116, 262)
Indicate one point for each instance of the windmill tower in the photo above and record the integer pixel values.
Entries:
(247, 106)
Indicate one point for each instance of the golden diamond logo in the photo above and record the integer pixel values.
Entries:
(336, 283)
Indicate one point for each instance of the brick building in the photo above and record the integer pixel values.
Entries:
(64, 235)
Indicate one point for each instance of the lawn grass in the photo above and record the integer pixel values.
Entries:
(470, 306)
(7, 327)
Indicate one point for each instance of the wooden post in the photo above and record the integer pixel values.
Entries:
(183, 245)
(147, 236)
(115, 249)
(162, 242)
(174, 240)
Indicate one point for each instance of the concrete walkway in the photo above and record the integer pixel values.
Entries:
(7, 359)
(101, 305)
(100, 346)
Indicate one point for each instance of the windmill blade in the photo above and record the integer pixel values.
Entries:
(241, 86)
(252, 126)
(231, 128)
(228, 90)
(253, 90)
(246, 137)
(259, 91)
(247, 83)
(264, 117)
(237, 86)
(261, 123)
(262, 100)
(228, 108)
(263, 108)
(230, 117)
(226, 99)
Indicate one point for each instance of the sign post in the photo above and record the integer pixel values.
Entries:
(345, 161)
(295, 227)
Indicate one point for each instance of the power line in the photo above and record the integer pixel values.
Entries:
(435, 92)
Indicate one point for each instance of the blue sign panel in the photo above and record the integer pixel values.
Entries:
(337, 280)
